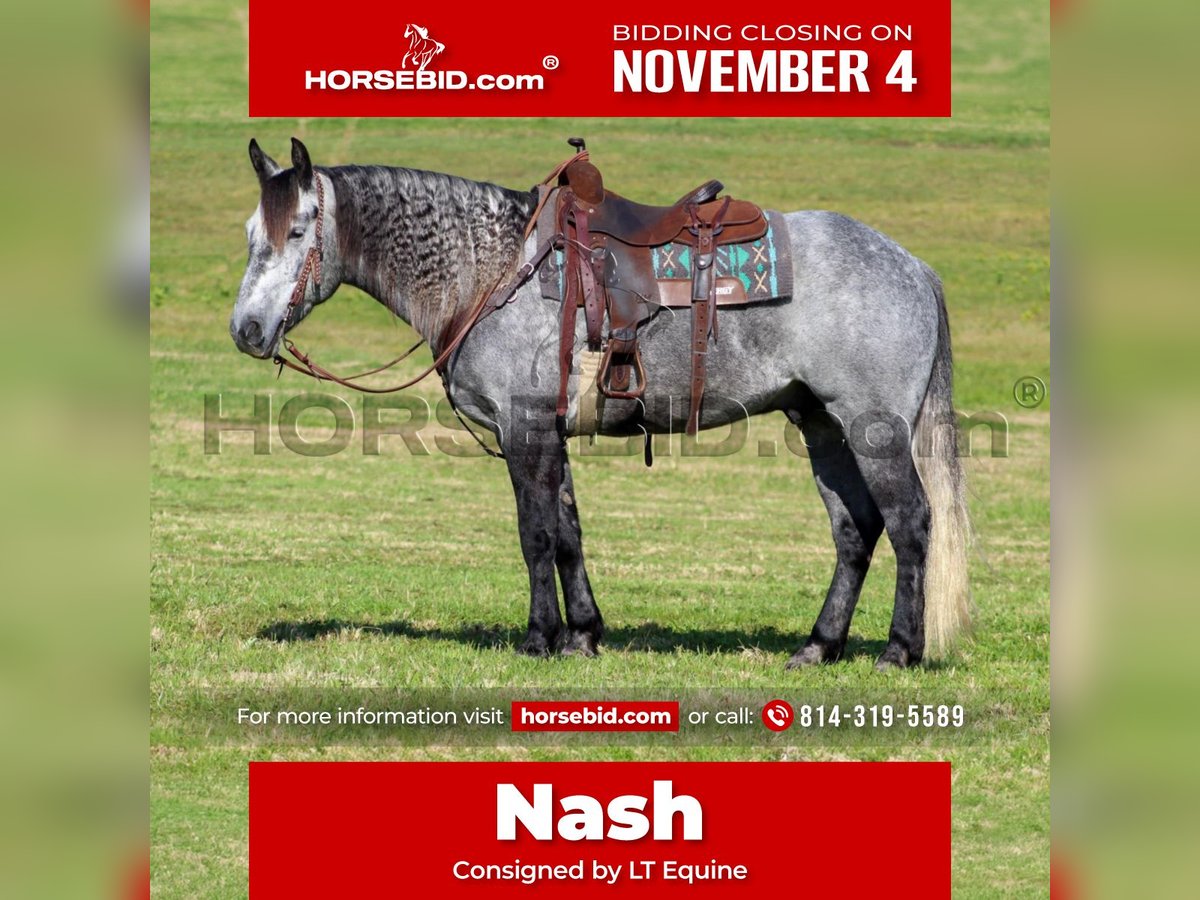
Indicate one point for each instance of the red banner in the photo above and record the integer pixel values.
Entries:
(595, 829)
(619, 58)
(595, 715)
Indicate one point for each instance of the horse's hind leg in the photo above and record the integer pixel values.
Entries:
(585, 627)
(897, 490)
(857, 524)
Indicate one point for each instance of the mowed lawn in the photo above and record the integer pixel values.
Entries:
(709, 571)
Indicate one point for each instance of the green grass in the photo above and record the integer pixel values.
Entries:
(716, 579)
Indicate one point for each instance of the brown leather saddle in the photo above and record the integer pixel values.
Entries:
(609, 272)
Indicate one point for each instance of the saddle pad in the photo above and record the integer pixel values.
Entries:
(762, 268)
(751, 272)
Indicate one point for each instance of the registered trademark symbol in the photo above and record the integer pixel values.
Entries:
(1029, 391)
(550, 62)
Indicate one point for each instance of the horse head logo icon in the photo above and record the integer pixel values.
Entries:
(421, 47)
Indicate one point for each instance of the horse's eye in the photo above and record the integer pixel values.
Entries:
(296, 233)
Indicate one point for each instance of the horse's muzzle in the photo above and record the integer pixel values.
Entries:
(250, 337)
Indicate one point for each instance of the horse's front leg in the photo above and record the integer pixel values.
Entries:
(585, 627)
(535, 467)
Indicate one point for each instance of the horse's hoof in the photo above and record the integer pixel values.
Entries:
(581, 643)
(812, 654)
(537, 647)
(808, 655)
(893, 657)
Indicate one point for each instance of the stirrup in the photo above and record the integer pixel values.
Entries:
(602, 376)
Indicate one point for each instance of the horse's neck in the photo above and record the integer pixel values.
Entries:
(426, 245)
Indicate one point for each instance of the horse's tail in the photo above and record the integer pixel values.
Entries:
(935, 449)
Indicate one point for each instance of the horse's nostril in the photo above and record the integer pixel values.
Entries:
(251, 333)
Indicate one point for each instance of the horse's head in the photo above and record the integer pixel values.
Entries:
(280, 235)
(410, 30)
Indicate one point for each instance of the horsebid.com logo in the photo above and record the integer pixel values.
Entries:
(414, 74)
(421, 47)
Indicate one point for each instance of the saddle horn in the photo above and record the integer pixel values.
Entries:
(583, 177)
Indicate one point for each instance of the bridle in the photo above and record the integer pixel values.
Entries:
(311, 269)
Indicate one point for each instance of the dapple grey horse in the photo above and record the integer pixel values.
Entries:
(858, 358)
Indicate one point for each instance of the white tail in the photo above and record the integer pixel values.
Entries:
(935, 448)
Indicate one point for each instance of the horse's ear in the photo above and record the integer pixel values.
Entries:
(302, 164)
(264, 166)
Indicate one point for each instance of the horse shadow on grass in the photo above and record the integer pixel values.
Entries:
(648, 637)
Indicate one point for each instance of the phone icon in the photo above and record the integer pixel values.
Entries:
(778, 715)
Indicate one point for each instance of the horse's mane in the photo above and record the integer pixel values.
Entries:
(441, 239)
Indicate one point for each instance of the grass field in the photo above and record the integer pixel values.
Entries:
(720, 578)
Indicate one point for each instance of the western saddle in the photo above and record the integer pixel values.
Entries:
(608, 243)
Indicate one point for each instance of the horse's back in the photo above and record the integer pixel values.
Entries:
(859, 330)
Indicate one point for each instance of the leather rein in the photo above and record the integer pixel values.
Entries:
(488, 303)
